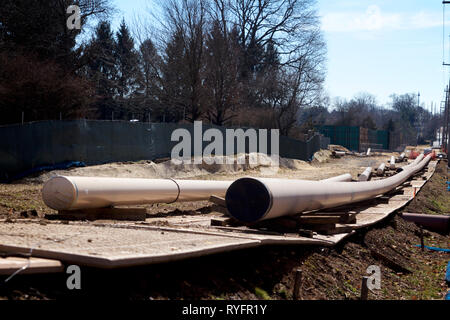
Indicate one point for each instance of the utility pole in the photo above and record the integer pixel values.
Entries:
(445, 115)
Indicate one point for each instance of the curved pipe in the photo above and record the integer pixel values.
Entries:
(342, 178)
(418, 159)
(73, 193)
(365, 176)
(255, 199)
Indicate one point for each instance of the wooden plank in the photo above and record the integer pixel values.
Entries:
(129, 214)
(10, 265)
(320, 214)
(319, 220)
(338, 229)
(389, 262)
(351, 218)
(344, 217)
(218, 200)
(221, 222)
(319, 227)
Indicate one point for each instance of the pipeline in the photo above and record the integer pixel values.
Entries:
(342, 178)
(392, 163)
(433, 248)
(254, 199)
(73, 193)
(429, 221)
(381, 169)
(365, 176)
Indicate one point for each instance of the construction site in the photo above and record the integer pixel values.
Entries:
(221, 152)
(225, 247)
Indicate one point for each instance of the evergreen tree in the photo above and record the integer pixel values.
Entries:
(150, 80)
(127, 61)
(101, 70)
(175, 73)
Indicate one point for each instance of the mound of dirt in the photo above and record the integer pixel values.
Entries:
(322, 156)
(222, 165)
(336, 147)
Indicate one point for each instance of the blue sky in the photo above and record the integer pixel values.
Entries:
(381, 47)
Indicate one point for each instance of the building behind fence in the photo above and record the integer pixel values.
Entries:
(28, 147)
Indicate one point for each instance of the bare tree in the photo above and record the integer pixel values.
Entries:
(222, 74)
(290, 25)
(186, 19)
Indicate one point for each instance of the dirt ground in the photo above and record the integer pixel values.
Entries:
(262, 273)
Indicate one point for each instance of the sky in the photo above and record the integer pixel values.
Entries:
(380, 47)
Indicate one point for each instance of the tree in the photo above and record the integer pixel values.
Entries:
(101, 70)
(283, 55)
(369, 123)
(406, 106)
(40, 89)
(389, 126)
(149, 93)
(41, 63)
(290, 26)
(128, 73)
(39, 27)
(185, 23)
(222, 75)
(176, 91)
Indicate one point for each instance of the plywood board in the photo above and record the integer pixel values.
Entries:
(10, 265)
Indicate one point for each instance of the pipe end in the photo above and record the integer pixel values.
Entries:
(248, 200)
(59, 193)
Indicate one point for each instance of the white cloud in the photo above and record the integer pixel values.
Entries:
(373, 19)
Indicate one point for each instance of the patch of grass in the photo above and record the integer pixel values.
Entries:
(350, 287)
(262, 294)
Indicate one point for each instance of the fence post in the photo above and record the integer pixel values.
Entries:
(364, 288)
(23, 117)
(297, 284)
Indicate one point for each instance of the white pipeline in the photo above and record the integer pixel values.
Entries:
(392, 163)
(341, 178)
(365, 176)
(381, 168)
(253, 199)
(72, 193)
